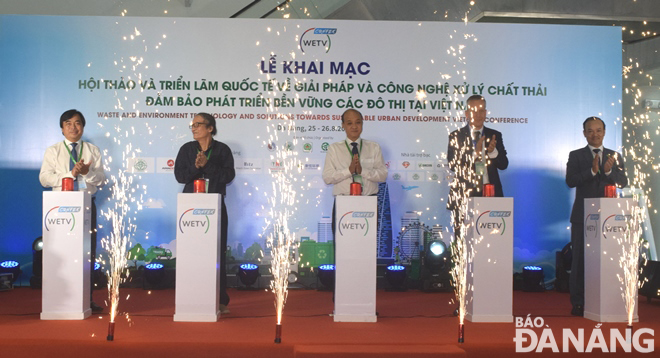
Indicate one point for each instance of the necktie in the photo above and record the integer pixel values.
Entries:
(600, 162)
(476, 135)
(354, 152)
(355, 149)
(72, 163)
(74, 156)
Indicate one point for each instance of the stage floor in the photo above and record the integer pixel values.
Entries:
(411, 323)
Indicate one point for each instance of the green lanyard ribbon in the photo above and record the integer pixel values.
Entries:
(208, 156)
(71, 155)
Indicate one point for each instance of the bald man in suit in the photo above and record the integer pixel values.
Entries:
(589, 170)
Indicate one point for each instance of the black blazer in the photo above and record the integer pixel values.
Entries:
(578, 175)
(219, 169)
(460, 149)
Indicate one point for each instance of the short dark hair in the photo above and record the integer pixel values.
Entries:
(351, 110)
(70, 114)
(210, 121)
(584, 124)
(475, 97)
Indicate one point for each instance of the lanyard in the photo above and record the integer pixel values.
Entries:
(71, 155)
(350, 152)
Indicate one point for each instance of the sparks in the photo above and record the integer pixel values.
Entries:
(282, 201)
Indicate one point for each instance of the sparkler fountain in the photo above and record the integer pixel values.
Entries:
(281, 239)
(116, 243)
(638, 152)
(631, 245)
(124, 199)
(631, 242)
(460, 253)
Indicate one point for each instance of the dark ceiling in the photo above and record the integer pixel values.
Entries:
(632, 31)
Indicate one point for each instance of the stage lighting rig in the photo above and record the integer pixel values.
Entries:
(326, 275)
(436, 265)
(248, 275)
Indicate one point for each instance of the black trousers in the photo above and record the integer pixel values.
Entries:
(92, 259)
(224, 297)
(576, 279)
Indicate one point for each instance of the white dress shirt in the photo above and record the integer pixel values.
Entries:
(491, 155)
(338, 159)
(55, 166)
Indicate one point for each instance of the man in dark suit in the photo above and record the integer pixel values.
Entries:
(475, 154)
(589, 170)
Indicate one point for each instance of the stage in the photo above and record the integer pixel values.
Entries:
(410, 324)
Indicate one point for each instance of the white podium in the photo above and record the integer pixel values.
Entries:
(605, 221)
(66, 254)
(490, 237)
(197, 257)
(355, 259)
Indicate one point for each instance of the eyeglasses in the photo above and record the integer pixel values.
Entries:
(195, 125)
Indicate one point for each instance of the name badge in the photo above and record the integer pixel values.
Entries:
(480, 168)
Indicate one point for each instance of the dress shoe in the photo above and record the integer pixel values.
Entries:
(96, 308)
(578, 310)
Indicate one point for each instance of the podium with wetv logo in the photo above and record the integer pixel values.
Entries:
(489, 224)
(606, 220)
(355, 258)
(198, 257)
(66, 255)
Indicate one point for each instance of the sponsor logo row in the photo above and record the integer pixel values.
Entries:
(402, 170)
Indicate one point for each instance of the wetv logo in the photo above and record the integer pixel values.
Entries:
(195, 220)
(527, 339)
(591, 225)
(59, 217)
(353, 221)
(493, 223)
(615, 225)
(316, 37)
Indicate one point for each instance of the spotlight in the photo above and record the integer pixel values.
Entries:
(154, 276)
(37, 262)
(11, 267)
(533, 279)
(396, 278)
(326, 275)
(9, 272)
(435, 267)
(248, 274)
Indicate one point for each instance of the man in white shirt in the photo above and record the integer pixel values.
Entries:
(352, 158)
(77, 159)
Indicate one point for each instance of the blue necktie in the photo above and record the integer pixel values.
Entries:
(72, 163)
